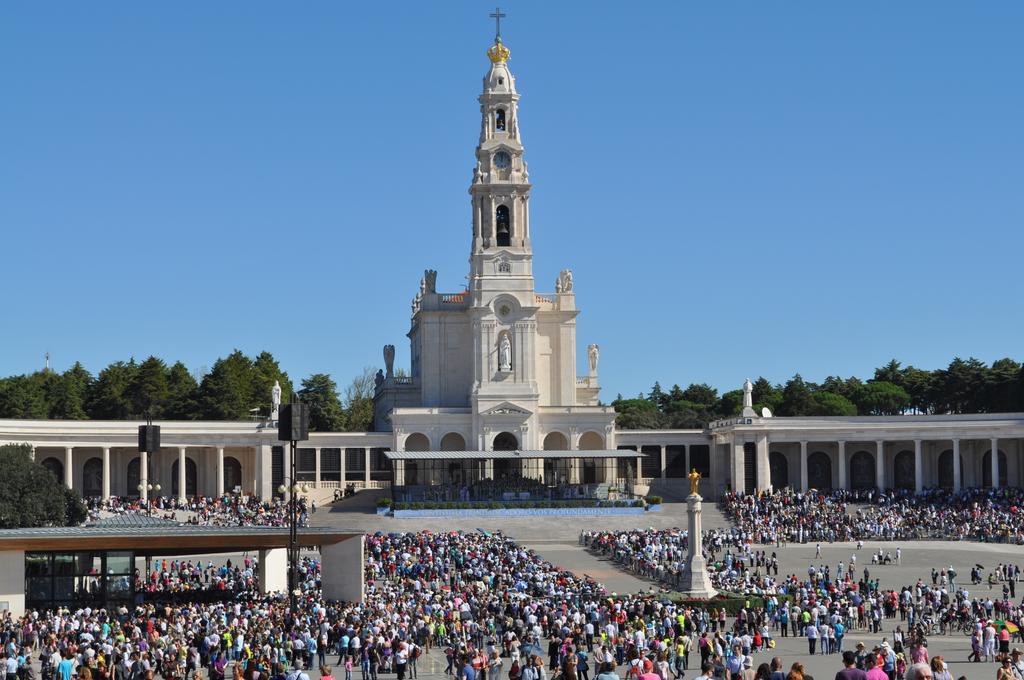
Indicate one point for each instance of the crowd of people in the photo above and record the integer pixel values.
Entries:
(989, 515)
(187, 576)
(512, 487)
(228, 510)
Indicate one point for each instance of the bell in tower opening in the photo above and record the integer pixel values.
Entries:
(499, 120)
(502, 228)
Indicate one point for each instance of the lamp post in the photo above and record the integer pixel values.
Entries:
(293, 427)
(148, 487)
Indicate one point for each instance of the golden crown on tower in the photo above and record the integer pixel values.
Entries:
(498, 53)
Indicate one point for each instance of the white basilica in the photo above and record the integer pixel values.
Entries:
(493, 393)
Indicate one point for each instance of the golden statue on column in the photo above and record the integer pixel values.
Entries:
(694, 478)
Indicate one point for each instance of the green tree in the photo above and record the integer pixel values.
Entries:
(23, 396)
(69, 402)
(358, 402)
(637, 414)
(832, 404)
(1001, 388)
(320, 393)
(226, 392)
(658, 397)
(182, 394)
(107, 398)
(797, 398)
(147, 392)
(703, 395)
(683, 414)
(882, 398)
(731, 404)
(766, 394)
(890, 373)
(32, 497)
(918, 384)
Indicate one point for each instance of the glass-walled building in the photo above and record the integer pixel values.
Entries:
(79, 579)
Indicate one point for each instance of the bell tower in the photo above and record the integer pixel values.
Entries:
(500, 190)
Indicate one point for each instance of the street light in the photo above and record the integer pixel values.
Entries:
(293, 427)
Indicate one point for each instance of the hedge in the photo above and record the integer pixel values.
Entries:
(732, 602)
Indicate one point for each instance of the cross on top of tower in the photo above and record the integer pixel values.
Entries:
(497, 15)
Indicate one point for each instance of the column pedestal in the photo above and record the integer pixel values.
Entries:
(695, 581)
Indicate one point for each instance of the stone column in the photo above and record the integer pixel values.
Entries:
(880, 465)
(956, 466)
(764, 473)
(803, 466)
(664, 473)
(918, 467)
(995, 462)
(143, 476)
(366, 472)
(181, 473)
(841, 459)
(106, 473)
(739, 482)
(695, 581)
(316, 475)
(69, 467)
(220, 471)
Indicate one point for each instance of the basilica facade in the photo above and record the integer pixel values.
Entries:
(493, 391)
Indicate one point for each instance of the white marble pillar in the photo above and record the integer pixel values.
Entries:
(69, 467)
(803, 466)
(695, 581)
(764, 473)
(664, 472)
(220, 471)
(739, 481)
(956, 466)
(841, 460)
(181, 473)
(316, 474)
(918, 467)
(143, 476)
(880, 465)
(995, 462)
(366, 473)
(106, 473)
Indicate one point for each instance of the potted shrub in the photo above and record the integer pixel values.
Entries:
(653, 503)
(384, 506)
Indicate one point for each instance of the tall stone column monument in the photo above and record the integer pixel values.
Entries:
(695, 582)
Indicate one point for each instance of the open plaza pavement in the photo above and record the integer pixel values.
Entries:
(556, 539)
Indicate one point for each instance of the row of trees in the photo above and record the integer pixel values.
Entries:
(965, 386)
(236, 388)
(31, 496)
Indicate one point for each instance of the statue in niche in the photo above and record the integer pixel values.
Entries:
(378, 378)
(389, 361)
(275, 400)
(505, 354)
(593, 355)
(564, 284)
(430, 277)
(748, 394)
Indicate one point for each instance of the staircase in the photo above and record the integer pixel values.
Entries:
(671, 490)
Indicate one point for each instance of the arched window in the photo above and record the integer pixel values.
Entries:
(232, 474)
(904, 468)
(134, 477)
(862, 471)
(92, 478)
(506, 441)
(778, 468)
(453, 441)
(55, 467)
(502, 226)
(819, 471)
(499, 120)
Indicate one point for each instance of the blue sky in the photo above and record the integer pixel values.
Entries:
(740, 188)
